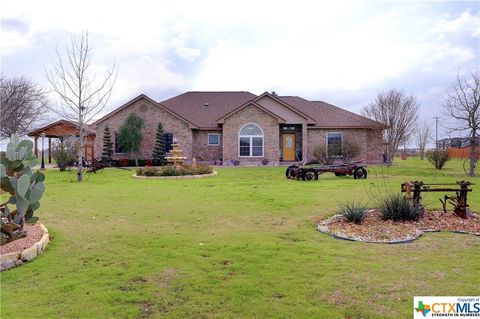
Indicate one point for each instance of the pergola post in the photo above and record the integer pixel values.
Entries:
(49, 150)
(36, 146)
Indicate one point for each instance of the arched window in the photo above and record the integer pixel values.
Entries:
(250, 141)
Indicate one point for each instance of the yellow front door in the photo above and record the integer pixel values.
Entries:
(288, 147)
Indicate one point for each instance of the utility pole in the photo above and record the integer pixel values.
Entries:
(436, 131)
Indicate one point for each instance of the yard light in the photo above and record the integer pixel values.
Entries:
(43, 150)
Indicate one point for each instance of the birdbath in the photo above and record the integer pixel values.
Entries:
(176, 155)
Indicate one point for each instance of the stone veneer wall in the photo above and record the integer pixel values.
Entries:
(204, 152)
(151, 116)
(231, 129)
(370, 141)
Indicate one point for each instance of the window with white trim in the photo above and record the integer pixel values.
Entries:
(214, 139)
(250, 141)
(334, 144)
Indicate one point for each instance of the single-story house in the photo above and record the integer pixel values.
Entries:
(243, 128)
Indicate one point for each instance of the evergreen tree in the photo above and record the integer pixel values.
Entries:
(159, 148)
(107, 145)
(131, 135)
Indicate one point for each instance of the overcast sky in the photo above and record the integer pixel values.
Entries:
(340, 52)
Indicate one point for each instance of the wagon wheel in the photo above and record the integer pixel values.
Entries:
(310, 174)
(360, 173)
(466, 166)
(290, 172)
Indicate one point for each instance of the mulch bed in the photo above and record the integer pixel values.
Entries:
(376, 230)
(34, 234)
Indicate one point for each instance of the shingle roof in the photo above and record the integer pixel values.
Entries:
(204, 108)
(330, 116)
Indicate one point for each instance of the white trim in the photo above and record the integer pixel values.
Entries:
(250, 137)
(326, 141)
(208, 139)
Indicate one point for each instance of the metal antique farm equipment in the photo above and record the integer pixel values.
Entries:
(308, 173)
(413, 192)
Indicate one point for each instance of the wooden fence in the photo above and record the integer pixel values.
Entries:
(462, 152)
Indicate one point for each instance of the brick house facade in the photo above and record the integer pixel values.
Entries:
(242, 128)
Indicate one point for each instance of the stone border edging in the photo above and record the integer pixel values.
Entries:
(322, 229)
(215, 173)
(11, 260)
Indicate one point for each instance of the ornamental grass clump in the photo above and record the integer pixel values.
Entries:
(396, 207)
(353, 211)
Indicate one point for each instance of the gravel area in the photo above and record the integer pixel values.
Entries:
(375, 229)
(34, 234)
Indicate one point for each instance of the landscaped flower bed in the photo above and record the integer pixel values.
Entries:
(172, 171)
(376, 229)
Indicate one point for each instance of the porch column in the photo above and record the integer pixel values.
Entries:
(304, 142)
(49, 150)
(36, 146)
(93, 151)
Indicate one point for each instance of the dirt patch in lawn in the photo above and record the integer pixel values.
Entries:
(34, 234)
(376, 230)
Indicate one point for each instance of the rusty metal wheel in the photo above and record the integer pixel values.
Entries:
(309, 175)
(360, 173)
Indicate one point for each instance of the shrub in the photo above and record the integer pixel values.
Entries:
(438, 158)
(353, 211)
(123, 162)
(147, 171)
(396, 207)
(171, 171)
(350, 151)
(320, 154)
(65, 154)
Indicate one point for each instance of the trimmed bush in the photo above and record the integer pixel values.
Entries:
(438, 158)
(396, 207)
(353, 211)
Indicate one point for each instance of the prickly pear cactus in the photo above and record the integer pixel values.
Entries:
(24, 186)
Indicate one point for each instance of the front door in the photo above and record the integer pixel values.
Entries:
(288, 147)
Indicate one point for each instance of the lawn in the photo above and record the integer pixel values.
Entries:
(239, 245)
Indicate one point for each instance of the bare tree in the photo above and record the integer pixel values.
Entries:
(398, 111)
(422, 135)
(462, 105)
(22, 105)
(80, 97)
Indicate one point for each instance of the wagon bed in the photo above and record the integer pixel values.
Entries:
(308, 173)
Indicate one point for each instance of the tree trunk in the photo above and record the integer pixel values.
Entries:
(80, 149)
(136, 159)
(422, 154)
(473, 155)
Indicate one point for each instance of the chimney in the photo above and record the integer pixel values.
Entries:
(274, 93)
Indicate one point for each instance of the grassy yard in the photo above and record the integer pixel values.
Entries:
(239, 245)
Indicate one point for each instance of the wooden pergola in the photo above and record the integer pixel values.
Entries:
(62, 129)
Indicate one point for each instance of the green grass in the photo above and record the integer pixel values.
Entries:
(239, 245)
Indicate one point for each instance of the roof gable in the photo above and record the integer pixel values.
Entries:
(138, 98)
(293, 109)
(222, 119)
(204, 108)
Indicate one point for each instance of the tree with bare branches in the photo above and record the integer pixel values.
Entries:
(422, 135)
(23, 105)
(397, 110)
(462, 104)
(80, 96)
